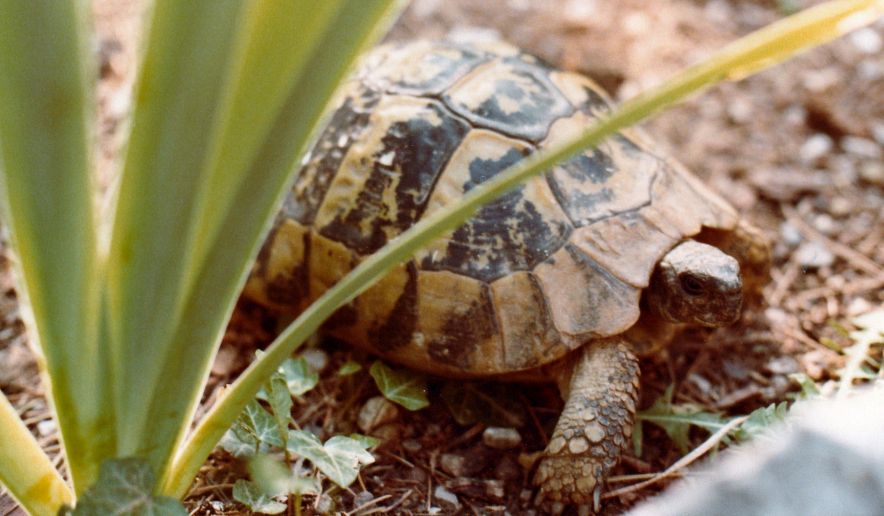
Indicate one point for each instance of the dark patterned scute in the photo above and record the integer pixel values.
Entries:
(314, 178)
(398, 329)
(506, 235)
(594, 186)
(463, 330)
(509, 96)
(417, 151)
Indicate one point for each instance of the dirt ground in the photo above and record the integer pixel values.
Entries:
(799, 150)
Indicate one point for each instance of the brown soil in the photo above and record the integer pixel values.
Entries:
(798, 149)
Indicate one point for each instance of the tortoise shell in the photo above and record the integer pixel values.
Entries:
(533, 275)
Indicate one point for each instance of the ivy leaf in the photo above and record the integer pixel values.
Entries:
(256, 431)
(349, 367)
(676, 420)
(400, 386)
(281, 404)
(275, 478)
(339, 458)
(366, 441)
(483, 402)
(250, 495)
(125, 487)
(760, 419)
(299, 376)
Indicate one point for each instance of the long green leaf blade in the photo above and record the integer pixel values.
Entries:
(189, 50)
(818, 26)
(246, 222)
(204, 184)
(46, 118)
(25, 470)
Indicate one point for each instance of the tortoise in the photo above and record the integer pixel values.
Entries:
(566, 278)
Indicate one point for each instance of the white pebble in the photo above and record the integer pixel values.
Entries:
(814, 255)
(866, 40)
(440, 493)
(46, 427)
(501, 438)
(316, 358)
(878, 132)
(815, 148)
(790, 234)
(825, 224)
(861, 147)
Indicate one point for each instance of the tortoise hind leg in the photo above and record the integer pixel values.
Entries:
(595, 425)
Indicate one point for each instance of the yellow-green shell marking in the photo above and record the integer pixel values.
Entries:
(557, 261)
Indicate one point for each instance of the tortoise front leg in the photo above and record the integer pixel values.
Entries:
(600, 398)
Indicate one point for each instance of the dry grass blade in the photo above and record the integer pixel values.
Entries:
(682, 463)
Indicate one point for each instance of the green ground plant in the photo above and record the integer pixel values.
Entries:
(126, 321)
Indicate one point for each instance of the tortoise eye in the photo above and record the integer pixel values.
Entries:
(691, 284)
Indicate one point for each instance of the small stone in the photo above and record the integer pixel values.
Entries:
(453, 464)
(872, 172)
(878, 132)
(494, 489)
(866, 40)
(783, 365)
(362, 498)
(814, 255)
(735, 370)
(740, 110)
(861, 147)
(822, 79)
(324, 504)
(412, 445)
(46, 427)
(316, 358)
(377, 411)
(501, 438)
(825, 224)
(790, 234)
(858, 306)
(840, 206)
(440, 493)
(815, 148)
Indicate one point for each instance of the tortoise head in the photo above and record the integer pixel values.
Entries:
(696, 283)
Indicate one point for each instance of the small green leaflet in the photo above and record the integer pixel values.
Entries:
(256, 431)
(349, 367)
(809, 389)
(676, 420)
(339, 458)
(124, 488)
(761, 419)
(250, 495)
(400, 386)
(299, 376)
